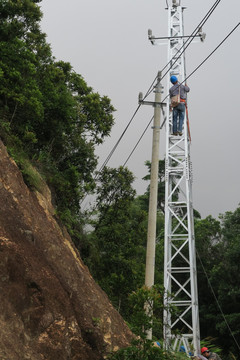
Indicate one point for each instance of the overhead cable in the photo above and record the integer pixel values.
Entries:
(120, 138)
(192, 36)
(138, 141)
(216, 48)
(213, 51)
(190, 39)
(192, 74)
(185, 44)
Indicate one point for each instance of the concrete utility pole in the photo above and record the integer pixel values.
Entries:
(152, 213)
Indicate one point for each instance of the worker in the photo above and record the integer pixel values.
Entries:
(178, 108)
(157, 344)
(209, 355)
(182, 349)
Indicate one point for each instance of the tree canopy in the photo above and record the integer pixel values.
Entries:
(47, 109)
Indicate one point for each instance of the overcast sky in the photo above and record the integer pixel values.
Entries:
(106, 42)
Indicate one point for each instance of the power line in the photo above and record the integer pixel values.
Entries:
(191, 37)
(189, 77)
(186, 44)
(120, 138)
(138, 141)
(112, 151)
(184, 47)
(213, 51)
(216, 48)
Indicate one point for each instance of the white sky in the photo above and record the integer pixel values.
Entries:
(106, 42)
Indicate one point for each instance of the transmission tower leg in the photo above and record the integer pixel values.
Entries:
(181, 327)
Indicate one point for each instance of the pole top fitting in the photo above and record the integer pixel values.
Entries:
(151, 37)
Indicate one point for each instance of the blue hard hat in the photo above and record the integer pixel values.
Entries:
(173, 79)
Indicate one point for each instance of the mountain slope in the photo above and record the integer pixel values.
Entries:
(51, 308)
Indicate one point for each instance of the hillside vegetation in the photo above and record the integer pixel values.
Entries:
(51, 122)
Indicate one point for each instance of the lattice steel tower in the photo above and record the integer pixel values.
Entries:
(180, 277)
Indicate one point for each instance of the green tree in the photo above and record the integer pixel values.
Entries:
(144, 350)
(76, 120)
(208, 234)
(18, 88)
(117, 258)
(141, 347)
(47, 110)
(225, 277)
(140, 323)
(161, 186)
(218, 280)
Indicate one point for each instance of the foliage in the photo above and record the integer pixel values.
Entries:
(226, 274)
(52, 120)
(31, 176)
(141, 320)
(161, 186)
(116, 248)
(144, 350)
(209, 342)
(47, 110)
(114, 189)
(219, 250)
(117, 244)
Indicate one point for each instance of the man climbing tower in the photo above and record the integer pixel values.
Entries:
(178, 96)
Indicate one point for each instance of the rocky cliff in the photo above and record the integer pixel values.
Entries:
(51, 308)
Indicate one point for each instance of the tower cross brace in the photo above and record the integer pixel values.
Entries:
(181, 327)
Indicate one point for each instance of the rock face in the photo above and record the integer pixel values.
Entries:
(50, 306)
